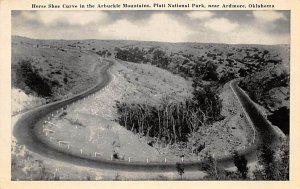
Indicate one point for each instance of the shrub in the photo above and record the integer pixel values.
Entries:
(241, 163)
(29, 75)
(180, 169)
(210, 72)
(273, 165)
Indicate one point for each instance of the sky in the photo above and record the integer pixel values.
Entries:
(232, 27)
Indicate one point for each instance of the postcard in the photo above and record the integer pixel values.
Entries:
(187, 93)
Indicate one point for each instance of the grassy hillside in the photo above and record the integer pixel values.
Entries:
(188, 59)
(51, 73)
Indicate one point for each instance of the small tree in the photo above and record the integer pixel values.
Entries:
(209, 165)
(241, 163)
(215, 172)
(267, 159)
(180, 169)
(211, 72)
(283, 164)
(273, 165)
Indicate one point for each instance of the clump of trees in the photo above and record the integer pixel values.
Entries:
(281, 118)
(154, 56)
(211, 72)
(104, 53)
(240, 162)
(171, 121)
(132, 54)
(243, 72)
(258, 85)
(160, 59)
(206, 69)
(273, 164)
(227, 76)
(180, 169)
(207, 99)
(28, 78)
(25, 167)
(216, 172)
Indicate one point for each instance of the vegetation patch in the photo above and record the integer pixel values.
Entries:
(173, 122)
(29, 79)
(51, 72)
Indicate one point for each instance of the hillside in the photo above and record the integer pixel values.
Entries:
(270, 88)
(188, 59)
(50, 73)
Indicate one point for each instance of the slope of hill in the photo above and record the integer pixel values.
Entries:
(270, 88)
(59, 68)
(50, 73)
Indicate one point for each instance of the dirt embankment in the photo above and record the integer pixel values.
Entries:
(232, 133)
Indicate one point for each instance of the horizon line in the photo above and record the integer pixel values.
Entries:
(51, 39)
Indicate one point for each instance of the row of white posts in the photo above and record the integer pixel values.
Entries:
(66, 143)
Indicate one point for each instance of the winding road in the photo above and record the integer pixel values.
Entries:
(25, 133)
